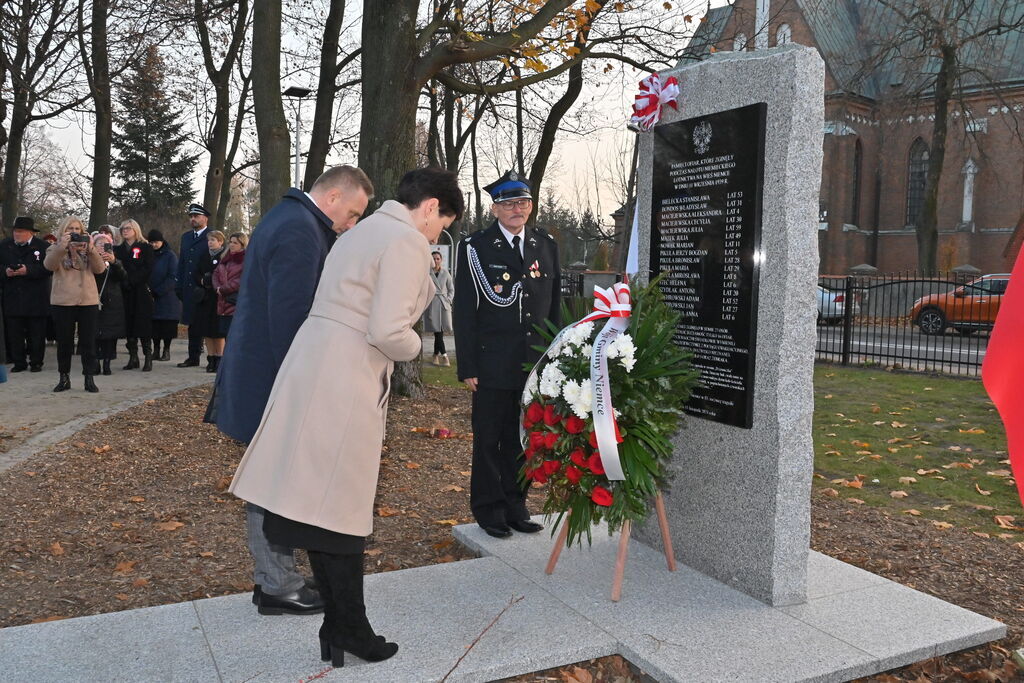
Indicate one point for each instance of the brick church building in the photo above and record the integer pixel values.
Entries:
(876, 143)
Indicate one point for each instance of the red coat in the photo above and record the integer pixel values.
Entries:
(227, 277)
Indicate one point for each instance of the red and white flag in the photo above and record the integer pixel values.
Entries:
(1003, 369)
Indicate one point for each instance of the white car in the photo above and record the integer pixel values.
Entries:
(831, 306)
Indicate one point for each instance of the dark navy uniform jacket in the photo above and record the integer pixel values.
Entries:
(189, 252)
(498, 300)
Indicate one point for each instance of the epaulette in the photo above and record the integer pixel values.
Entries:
(544, 232)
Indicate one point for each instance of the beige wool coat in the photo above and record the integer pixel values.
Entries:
(316, 454)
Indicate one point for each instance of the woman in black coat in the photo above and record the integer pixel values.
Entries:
(111, 324)
(205, 317)
(166, 304)
(136, 256)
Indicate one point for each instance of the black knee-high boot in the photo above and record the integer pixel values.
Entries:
(349, 628)
(132, 344)
(321, 572)
(147, 354)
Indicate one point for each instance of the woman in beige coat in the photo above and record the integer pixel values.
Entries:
(74, 299)
(314, 460)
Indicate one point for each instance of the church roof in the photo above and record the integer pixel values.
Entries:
(846, 32)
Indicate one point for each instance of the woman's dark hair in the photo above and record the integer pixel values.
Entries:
(424, 183)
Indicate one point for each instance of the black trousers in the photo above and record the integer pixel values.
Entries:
(26, 339)
(106, 349)
(65, 318)
(439, 343)
(495, 494)
(195, 341)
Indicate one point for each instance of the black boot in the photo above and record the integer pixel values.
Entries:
(133, 354)
(90, 386)
(147, 353)
(189, 362)
(106, 366)
(351, 630)
(65, 382)
(209, 363)
(214, 364)
(166, 355)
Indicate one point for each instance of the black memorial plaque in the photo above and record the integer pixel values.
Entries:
(706, 239)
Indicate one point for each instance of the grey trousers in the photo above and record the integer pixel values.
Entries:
(274, 565)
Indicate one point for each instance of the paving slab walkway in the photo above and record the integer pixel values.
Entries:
(38, 418)
(679, 626)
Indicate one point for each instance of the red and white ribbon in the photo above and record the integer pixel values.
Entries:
(614, 304)
(653, 96)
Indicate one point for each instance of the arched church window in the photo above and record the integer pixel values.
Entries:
(858, 161)
(739, 42)
(917, 177)
(783, 34)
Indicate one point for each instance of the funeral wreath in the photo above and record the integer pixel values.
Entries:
(600, 408)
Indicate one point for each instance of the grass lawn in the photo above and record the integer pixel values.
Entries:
(925, 445)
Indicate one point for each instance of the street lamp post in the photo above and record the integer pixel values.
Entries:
(297, 93)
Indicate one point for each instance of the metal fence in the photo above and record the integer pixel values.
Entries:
(904, 320)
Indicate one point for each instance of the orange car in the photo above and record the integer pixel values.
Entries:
(966, 309)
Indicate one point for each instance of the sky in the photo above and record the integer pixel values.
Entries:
(581, 172)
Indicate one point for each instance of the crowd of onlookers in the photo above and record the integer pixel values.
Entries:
(86, 291)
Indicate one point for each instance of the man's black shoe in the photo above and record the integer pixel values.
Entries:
(36, 368)
(19, 368)
(496, 531)
(257, 591)
(189, 363)
(302, 601)
(526, 526)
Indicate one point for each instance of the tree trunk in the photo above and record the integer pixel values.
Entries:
(550, 131)
(218, 146)
(99, 202)
(12, 164)
(320, 140)
(387, 147)
(928, 228)
(271, 125)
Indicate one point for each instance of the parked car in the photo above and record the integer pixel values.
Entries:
(832, 306)
(966, 309)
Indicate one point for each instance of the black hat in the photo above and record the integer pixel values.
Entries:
(194, 209)
(25, 223)
(155, 236)
(512, 185)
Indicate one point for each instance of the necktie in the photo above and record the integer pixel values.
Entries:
(515, 245)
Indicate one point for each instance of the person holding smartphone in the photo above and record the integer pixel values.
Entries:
(110, 325)
(26, 295)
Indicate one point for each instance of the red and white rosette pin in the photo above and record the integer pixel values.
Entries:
(653, 96)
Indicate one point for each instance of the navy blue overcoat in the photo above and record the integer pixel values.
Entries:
(163, 284)
(191, 249)
(282, 269)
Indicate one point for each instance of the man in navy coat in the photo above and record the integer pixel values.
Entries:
(193, 246)
(282, 269)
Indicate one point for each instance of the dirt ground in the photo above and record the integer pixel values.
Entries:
(132, 512)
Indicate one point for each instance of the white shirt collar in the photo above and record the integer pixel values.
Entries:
(509, 236)
(200, 232)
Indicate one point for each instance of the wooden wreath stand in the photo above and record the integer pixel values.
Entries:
(620, 559)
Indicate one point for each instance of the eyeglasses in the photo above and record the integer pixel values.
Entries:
(516, 204)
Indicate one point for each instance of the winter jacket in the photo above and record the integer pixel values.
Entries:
(227, 277)
(76, 285)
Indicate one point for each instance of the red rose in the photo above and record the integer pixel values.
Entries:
(592, 439)
(551, 467)
(550, 439)
(573, 474)
(578, 457)
(526, 423)
(536, 475)
(535, 412)
(529, 452)
(594, 463)
(551, 418)
(574, 425)
(537, 440)
(601, 496)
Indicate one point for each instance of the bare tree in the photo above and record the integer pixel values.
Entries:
(38, 52)
(939, 49)
(271, 126)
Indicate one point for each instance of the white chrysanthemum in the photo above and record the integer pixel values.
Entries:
(611, 351)
(551, 380)
(568, 350)
(581, 410)
(571, 391)
(586, 393)
(586, 350)
(628, 362)
(617, 413)
(579, 334)
(626, 345)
